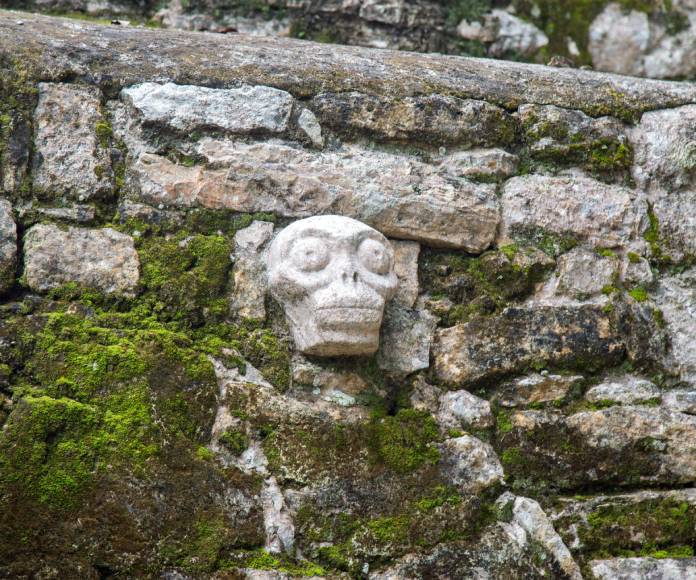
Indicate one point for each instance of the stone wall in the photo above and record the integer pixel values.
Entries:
(651, 38)
(531, 411)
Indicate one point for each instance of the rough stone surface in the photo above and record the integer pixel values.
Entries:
(435, 119)
(397, 195)
(470, 464)
(589, 210)
(628, 390)
(482, 164)
(537, 388)
(188, 108)
(102, 259)
(682, 400)
(486, 348)
(406, 269)
(582, 273)
(462, 410)
(333, 276)
(676, 298)
(8, 246)
(308, 123)
(248, 299)
(405, 340)
(676, 215)
(646, 568)
(529, 515)
(664, 147)
(514, 35)
(69, 159)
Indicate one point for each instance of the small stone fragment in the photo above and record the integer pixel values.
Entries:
(405, 339)
(469, 464)
(627, 390)
(536, 388)
(8, 246)
(513, 35)
(482, 164)
(529, 515)
(187, 108)
(311, 127)
(70, 160)
(406, 269)
(682, 400)
(103, 259)
(249, 273)
(462, 410)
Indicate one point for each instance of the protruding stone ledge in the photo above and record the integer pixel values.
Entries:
(97, 52)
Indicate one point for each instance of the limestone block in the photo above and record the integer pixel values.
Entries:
(462, 410)
(405, 340)
(627, 390)
(69, 159)
(8, 246)
(332, 275)
(187, 108)
(587, 209)
(469, 464)
(103, 259)
(406, 269)
(249, 273)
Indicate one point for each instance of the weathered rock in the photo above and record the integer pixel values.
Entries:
(488, 347)
(636, 271)
(405, 339)
(586, 209)
(280, 530)
(8, 246)
(70, 160)
(435, 119)
(513, 36)
(15, 154)
(665, 149)
(528, 514)
(397, 195)
(537, 388)
(682, 400)
(627, 390)
(482, 164)
(666, 437)
(188, 108)
(620, 445)
(308, 124)
(675, 215)
(102, 259)
(676, 297)
(582, 273)
(462, 410)
(308, 69)
(249, 273)
(469, 464)
(644, 568)
(640, 44)
(609, 525)
(566, 137)
(618, 40)
(406, 269)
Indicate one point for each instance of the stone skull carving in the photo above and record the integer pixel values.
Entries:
(333, 276)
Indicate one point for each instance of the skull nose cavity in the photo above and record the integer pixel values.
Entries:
(346, 276)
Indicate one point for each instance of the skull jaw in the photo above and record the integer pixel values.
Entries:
(337, 331)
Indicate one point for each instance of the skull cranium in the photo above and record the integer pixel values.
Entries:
(333, 275)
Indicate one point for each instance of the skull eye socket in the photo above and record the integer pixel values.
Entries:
(374, 256)
(309, 255)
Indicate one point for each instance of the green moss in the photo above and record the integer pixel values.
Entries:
(512, 455)
(639, 294)
(606, 253)
(204, 454)
(234, 441)
(661, 527)
(403, 441)
(104, 133)
(503, 422)
(610, 289)
(471, 10)
(633, 258)
(262, 560)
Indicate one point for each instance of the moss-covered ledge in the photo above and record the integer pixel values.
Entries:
(57, 49)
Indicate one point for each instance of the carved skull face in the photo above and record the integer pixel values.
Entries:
(332, 275)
